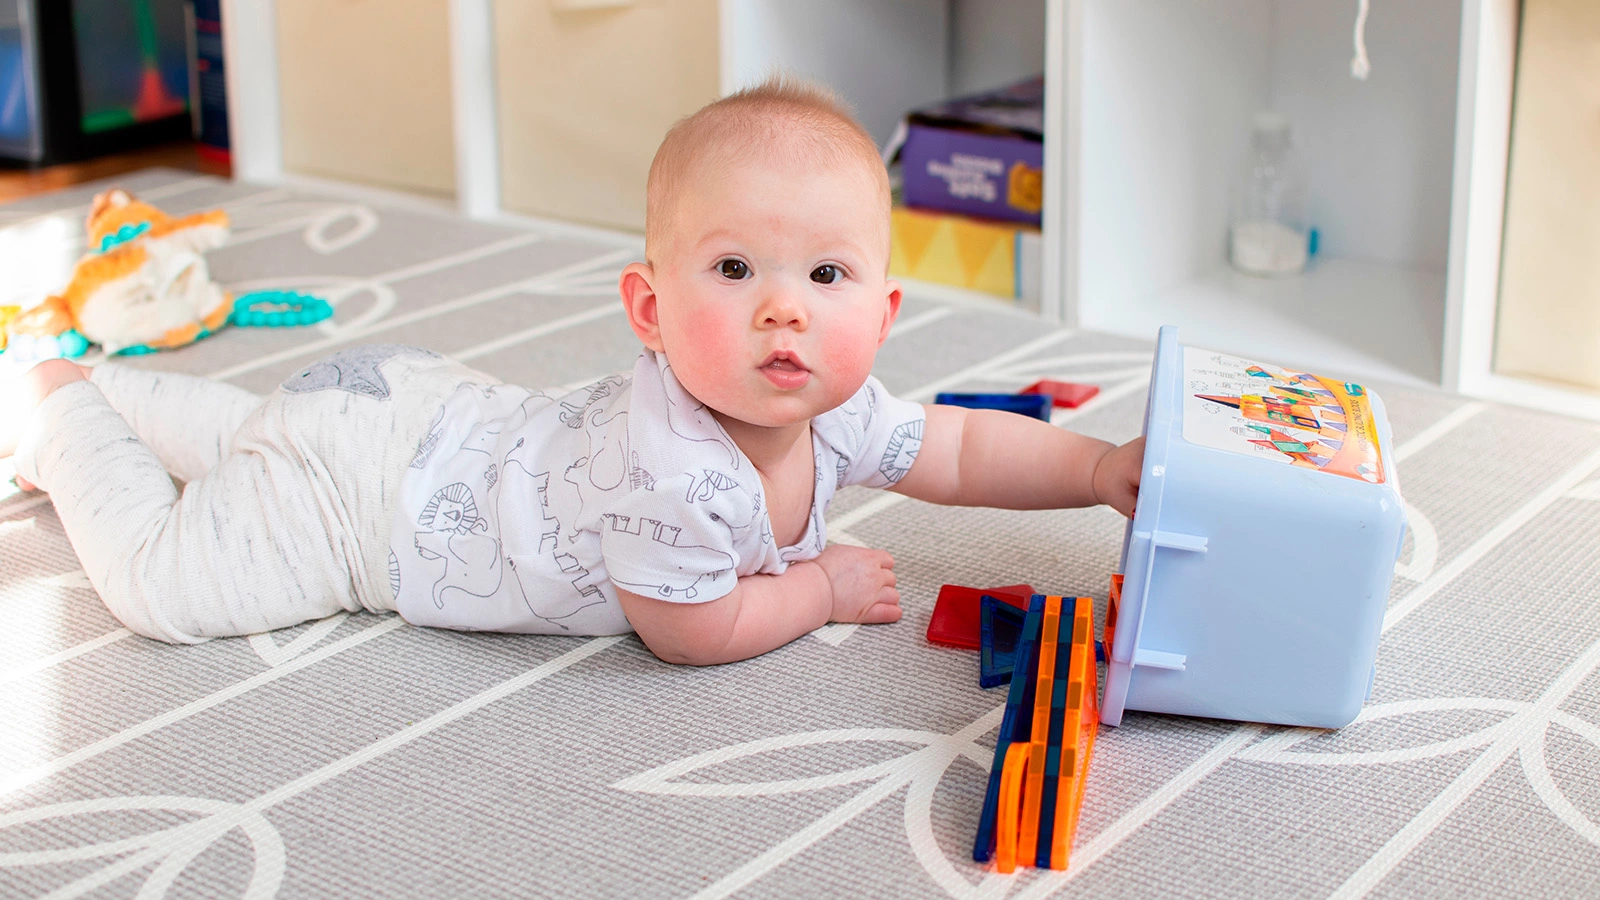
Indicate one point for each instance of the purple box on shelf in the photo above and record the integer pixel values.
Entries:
(981, 155)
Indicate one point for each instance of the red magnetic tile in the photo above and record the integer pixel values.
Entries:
(956, 617)
(1063, 393)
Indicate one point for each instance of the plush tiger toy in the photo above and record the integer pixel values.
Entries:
(142, 286)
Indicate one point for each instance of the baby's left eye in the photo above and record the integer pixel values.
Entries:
(827, 275)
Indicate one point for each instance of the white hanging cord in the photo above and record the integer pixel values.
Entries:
(1359, 67)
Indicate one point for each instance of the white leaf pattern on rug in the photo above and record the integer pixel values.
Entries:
(919, 770)
(1587, 491)
(1088, 368)
(835, 632)
(1523, 734)
(273, 215)
(1424, 546)
(75, 579)
(274, 655)
(172, 847)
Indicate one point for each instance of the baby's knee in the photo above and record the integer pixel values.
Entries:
(147, 610)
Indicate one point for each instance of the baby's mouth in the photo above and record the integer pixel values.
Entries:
(786, 371)
(783, 361)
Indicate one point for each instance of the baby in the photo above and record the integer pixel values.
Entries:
(683, 501)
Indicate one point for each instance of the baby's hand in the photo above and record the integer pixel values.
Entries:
(1116, 476)
(863, 584)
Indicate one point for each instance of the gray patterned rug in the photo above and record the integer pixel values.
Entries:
(359, 756)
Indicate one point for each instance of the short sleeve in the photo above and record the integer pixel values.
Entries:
(675, 540)
(875, 434)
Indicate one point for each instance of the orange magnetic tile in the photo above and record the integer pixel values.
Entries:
(1039, 739)
(1082, 693)
(1109, 633)
(1012, 775)
(1091, 727)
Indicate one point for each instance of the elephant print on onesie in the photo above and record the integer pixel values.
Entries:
(720, 492)
(707, 484)
(543, 536)
(695, 563)
(430, 441)
(609, 463)
(457, 535)
(693, 418)
(572, 414)
(853, 423)
(484, 437)
(354, 370)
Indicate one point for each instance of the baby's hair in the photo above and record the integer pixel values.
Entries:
(784, 116)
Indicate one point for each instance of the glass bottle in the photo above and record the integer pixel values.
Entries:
(1268, 235)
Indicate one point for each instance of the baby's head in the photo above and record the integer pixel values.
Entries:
(767, 253)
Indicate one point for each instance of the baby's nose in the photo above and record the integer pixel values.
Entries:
(783, 309)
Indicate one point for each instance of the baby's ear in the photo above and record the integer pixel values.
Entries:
(640, 302)
(891, 309)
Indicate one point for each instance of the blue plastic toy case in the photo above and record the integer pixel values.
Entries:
(1256, 569)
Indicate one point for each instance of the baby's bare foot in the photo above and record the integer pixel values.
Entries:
(21, 394)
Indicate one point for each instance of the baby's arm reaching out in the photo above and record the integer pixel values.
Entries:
(764, 612)
(978, 457)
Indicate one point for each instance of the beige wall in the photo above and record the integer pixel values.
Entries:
(1549, 323)
(585, 95)
(365, 88)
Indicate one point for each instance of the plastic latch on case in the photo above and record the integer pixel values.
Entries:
(1168, 540)
(1159, 659)
(1176, 540)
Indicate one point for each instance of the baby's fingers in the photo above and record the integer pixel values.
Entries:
(881, 613)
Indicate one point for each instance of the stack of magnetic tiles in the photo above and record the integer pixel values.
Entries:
(1041, 758)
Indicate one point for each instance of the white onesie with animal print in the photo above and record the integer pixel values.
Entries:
(522, 511)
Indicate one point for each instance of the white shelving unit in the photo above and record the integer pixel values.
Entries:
(1148, 105)
(1158, 109)
(1149, 112)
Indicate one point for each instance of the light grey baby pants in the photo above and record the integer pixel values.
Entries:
(288, 500)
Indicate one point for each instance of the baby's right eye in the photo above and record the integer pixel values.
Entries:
(733, 269)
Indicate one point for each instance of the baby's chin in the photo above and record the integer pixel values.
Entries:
(784, 412)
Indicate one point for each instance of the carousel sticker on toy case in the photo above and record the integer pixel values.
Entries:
(1260, 410)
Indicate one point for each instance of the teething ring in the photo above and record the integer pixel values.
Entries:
(278, 309)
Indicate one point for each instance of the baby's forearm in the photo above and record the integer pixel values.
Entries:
(1004, 460)
(761, 613)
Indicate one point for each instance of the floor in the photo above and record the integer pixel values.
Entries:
(363, 757)
(18, 183)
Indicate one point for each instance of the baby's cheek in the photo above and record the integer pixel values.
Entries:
(721, 332)
(850, 357)
(704, 339)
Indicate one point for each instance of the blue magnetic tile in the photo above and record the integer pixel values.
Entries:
(1036, 406)
(999, 626)
(1014, 726)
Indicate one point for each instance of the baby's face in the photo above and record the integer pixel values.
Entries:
(773, 297)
